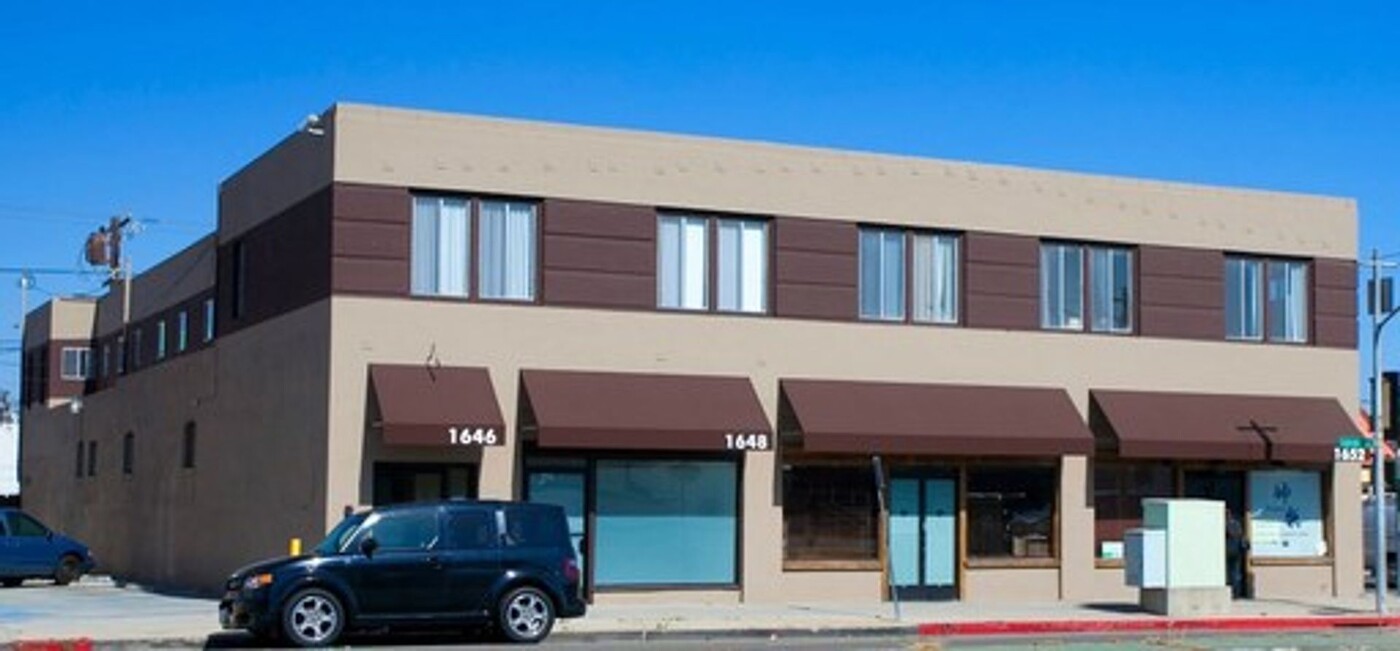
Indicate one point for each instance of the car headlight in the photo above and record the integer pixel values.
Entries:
(257, 581)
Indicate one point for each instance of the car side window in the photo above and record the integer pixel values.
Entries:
(535, 527)
(410, 531)
(24, 526)
(470, 529)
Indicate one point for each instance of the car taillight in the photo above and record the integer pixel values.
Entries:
(571, 573)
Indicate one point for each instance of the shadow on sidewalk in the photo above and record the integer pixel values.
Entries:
(240, 640)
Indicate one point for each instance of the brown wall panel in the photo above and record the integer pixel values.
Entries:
(1001, 283)
(636, 257)
(1181, 293)
(815, 274)
(597, 254)
(288, 264)
(370, 276)
(1334, 303)
(372, 203)
(604, 290)
(370, 240)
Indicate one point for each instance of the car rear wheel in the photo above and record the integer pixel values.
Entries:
(313, 617)
(69, 569)
(525, 615)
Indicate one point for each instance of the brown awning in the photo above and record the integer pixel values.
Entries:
(636, 411)
(1220, 426)
(422, 405)
(944, 419)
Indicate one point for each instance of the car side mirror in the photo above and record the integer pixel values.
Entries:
(368, 546)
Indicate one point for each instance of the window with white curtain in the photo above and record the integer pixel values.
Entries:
(1244, 307)
(682, 252)
(935, 281)
(1062, 286)
(507, 250)
(441, 246)
(742, 266)
(1288, 301)
(1111, 289)
(882, 274)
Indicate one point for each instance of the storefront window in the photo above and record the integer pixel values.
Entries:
(1285, 514)
(830, 514)
(1119, 488)
(1011, 512)
(665, 522)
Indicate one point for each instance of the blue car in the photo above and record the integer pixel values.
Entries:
(30, 550)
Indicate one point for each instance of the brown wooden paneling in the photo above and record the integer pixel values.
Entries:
(596, 254)
(1334, 303)
(1001, 283)
(288, 264)
(1181, 293)
(815, 274)
(371, 227)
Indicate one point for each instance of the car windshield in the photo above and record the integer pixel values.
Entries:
(336, 539)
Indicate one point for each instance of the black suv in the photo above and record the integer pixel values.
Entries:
(506, 564)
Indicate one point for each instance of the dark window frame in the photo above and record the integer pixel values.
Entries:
(908, 235)
(1086, 287)
(712, 220)
(474, 261)
(1266, 312)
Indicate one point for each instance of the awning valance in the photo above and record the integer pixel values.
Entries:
(1229, 427)
(426, 405)
(941, 419)
(644, 411)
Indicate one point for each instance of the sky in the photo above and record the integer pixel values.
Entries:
(143, 108)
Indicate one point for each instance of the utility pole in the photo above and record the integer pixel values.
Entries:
(1381, 312)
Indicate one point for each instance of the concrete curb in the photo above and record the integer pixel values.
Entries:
(1255, 624)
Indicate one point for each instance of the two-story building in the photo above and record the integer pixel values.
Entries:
(699, 348)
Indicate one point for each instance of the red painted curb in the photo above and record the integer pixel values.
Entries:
(1140, 625)
(82, 644)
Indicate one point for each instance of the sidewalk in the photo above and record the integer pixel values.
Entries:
(98, 610)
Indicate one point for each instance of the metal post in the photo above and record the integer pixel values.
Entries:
(1378, 431)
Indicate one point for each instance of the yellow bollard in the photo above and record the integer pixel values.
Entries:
(294, 548)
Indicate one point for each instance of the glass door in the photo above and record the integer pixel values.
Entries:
(923, 537)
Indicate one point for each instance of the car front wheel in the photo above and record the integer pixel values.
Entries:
(525, 615)
(69, 569)
(313, 617)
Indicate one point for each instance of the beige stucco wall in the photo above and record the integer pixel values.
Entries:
(506, 338)
(258, 397)
(437, 150)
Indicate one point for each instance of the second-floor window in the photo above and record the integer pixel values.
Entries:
(77, 363)
(929, 282)
(208, 320)
(160, 339)
(739, 282)
(182, 331)
(1266, 296)
(1064, 268)
(442, 248)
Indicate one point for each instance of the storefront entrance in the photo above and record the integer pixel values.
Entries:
(923, 537)
(396, 483)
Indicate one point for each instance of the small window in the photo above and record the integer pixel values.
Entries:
(208, 320)
(1069, 272)
(1062, 287)
(240, 278)
(160, 339)
(935, 278)
(92, 458)
(683, 262)
(404, 531)
(882, 274)
(182, 331)
(471, 529)
(78, 469)
(742, 273)
(441, 246)
(1011, 512)
(187, 450)
(136, 349)
(77, 363)
(128, 453)
(1266, 297)
(830, 514)
(507, 250)
(121, 355)
(1288, 301)
(1244, 309)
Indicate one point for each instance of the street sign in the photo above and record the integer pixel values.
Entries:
(1351, 448)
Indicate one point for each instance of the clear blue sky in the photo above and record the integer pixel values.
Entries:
(128, 106)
